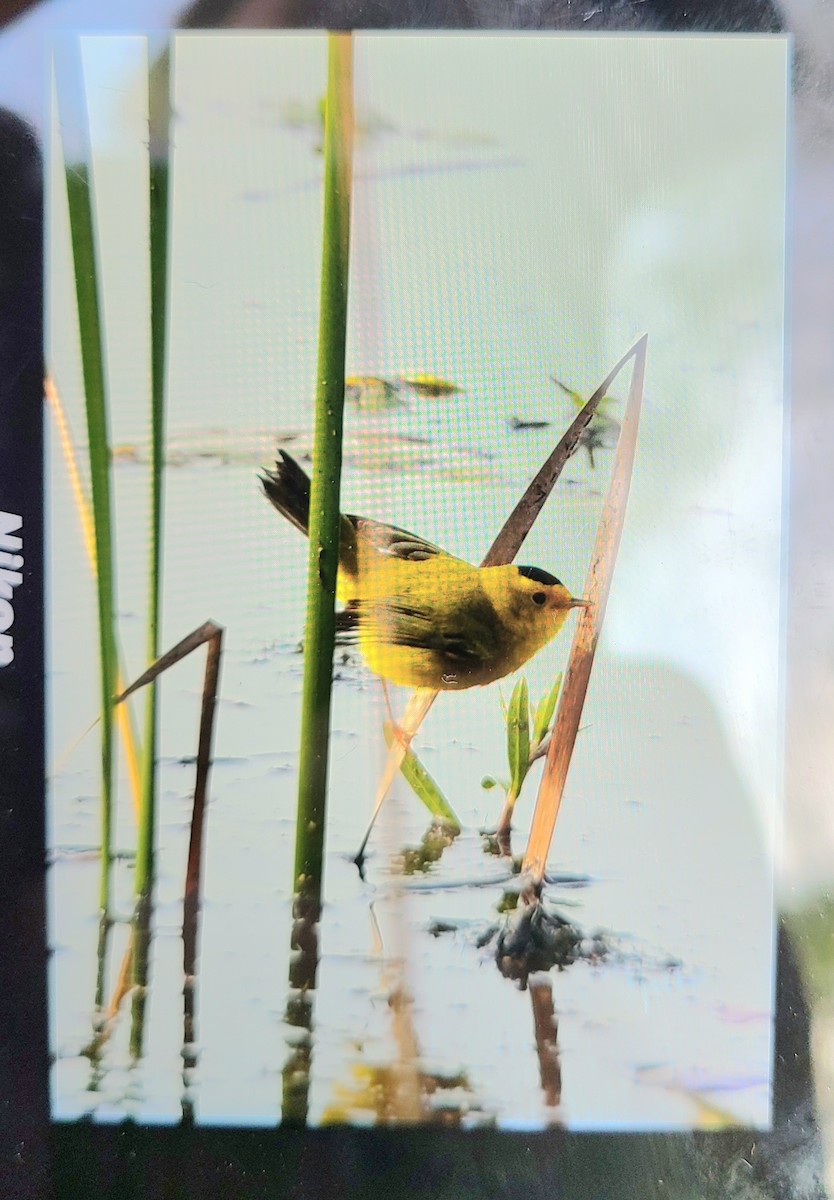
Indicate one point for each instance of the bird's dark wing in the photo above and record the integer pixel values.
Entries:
(399, 543)
(288, 489)
(347, 624)
(402, 623)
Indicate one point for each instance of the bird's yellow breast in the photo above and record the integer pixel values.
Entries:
(444, 624)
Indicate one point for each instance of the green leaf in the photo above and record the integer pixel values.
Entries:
(159, 83)
(85, 251)
(605, 404)
(545, 710)
(422, 784)
(518, 735)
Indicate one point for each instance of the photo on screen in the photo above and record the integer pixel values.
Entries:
(523, 210)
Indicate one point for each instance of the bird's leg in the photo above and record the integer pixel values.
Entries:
(397, 729)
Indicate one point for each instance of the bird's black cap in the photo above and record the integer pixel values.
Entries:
(538, 575)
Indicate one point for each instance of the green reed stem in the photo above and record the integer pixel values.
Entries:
(159, 115)
(327, 468)
(79, 197)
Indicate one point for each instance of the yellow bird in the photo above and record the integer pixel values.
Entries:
(423, 617)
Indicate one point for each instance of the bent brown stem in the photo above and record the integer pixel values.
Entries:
(210, 634)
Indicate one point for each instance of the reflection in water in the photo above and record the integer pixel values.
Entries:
(414, 860)
(304, 960)
(104, 1019)
(390, 1096)
(190, 929)
(141, 959)
(400, 1091)
(93, 1051)
(133, 980)
(406, 1092)
(547, 1040)
(105, 925)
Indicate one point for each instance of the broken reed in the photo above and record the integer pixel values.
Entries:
(327, 467)
(209, 634)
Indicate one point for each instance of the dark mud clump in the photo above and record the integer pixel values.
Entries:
(536, 938)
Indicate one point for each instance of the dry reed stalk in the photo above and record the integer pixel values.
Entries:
(85, 516)
(212, 634)
(580, 662)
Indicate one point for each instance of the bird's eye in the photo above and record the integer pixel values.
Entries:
(539, 598)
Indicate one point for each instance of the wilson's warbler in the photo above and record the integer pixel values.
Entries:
(423, 617)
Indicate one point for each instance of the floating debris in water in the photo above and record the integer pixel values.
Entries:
(298, 114)
(438, 926)
(568, 879)
(601, 434)
(372, 393)
(368, 449)
(422, 858)
(605, 403)
(518, 423)
(603, 431)
(375, 1093)
(430, 385)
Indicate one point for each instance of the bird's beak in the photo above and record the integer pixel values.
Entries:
(574, 603)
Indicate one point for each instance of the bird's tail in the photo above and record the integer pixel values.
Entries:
(288, 489)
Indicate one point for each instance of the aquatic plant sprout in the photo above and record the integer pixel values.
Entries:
(524, 745)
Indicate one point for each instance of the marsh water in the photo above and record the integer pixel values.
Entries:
(665, 838)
